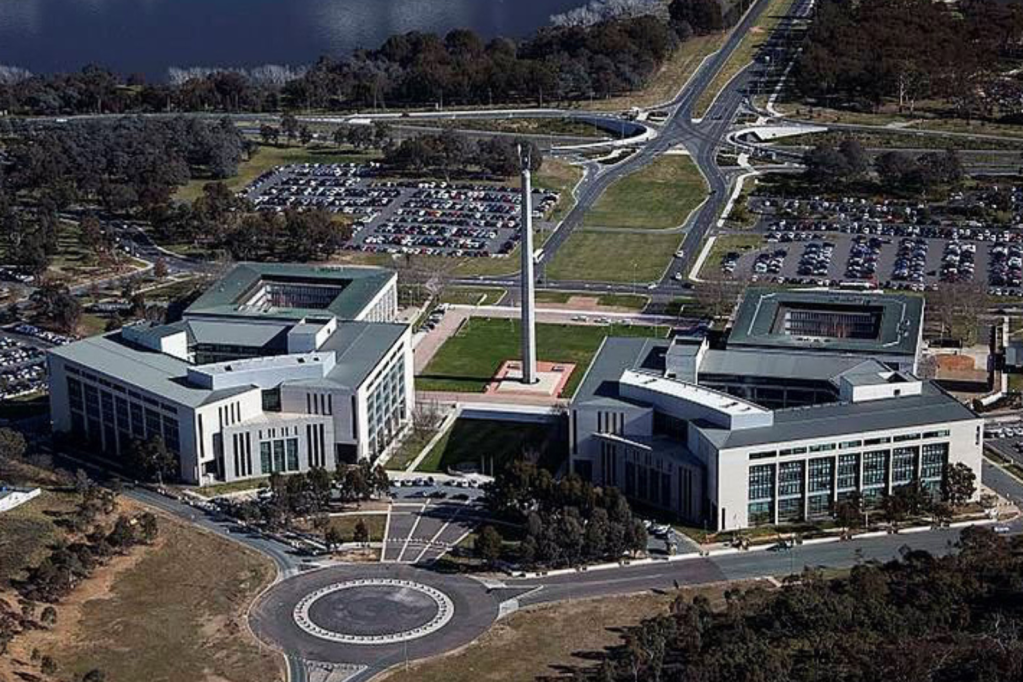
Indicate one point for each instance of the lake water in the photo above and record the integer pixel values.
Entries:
(148, 36)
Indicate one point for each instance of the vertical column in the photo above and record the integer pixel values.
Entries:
(528, 293)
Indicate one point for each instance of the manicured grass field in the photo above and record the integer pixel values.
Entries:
(614, 257)
(489, 445)
(469, 359)
(177, 614)
(744, 53)
(270, 156)
(660, 196)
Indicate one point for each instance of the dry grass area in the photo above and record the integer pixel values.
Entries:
(170, 612)
(521, 648)
(669, 80)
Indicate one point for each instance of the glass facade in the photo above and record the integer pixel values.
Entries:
(790, 491)
(386, 405)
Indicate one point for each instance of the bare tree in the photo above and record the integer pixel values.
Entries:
(719, 296)
(958, 307)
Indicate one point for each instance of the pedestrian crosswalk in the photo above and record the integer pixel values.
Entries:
(423, 533)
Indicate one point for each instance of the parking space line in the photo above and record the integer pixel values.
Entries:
(411, 533)
(429, 543)
(387, 528)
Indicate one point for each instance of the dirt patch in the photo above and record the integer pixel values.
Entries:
(956, 363)
(172, 611)
(520, 648)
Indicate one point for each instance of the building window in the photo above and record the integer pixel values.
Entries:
(821, 471)
(848, 472)
(761, 482)
(790, 479)
(291, 445)
(760, 513)
(265, 466)
(875, 469)
(790, 510)
(904, 465)
(933, 459)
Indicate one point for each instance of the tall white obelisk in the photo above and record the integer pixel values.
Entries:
(528, 285)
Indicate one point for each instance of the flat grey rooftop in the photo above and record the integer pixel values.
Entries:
(932, 407)
(901, 318)
(359, 286)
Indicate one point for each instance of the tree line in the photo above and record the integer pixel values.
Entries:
(565, 522)
(898, 171)
(920, 618)
(127, 167)
(864, 54)
(575, 61)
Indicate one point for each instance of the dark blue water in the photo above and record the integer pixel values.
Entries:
(148, 36)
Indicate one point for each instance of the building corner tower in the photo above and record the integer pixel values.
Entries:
(528, 285)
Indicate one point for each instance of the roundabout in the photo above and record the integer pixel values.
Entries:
(374, 611)
(372, 615)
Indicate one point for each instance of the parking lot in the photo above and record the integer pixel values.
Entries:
(407, 217)
(22, 366)
(1006, 439)
(856, 241)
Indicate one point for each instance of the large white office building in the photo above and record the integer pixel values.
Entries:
(779, 427)
(275, 368)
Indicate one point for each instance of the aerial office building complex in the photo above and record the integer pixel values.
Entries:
(275, 368)
(809, 399)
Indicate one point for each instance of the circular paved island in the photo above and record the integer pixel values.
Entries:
(372, 614)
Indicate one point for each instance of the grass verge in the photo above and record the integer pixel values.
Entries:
(625, 257)
(660, 196)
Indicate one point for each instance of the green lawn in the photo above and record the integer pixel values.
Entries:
(614, 257)
(270, 156)
(469, 359)
(473, 295)
(490, 445)
(660, 196)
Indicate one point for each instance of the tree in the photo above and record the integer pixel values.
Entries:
(48, 666)
(849, 510)
(361, 534)
(148, 527)
(94, 675)
(959, 484)
(160, 269)
(305, 135)
(333, 538)
(150, 460)
(703, 16)
(488, 545)
(12, 445)
(289, 124)
(269, 134)
(48, 617)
